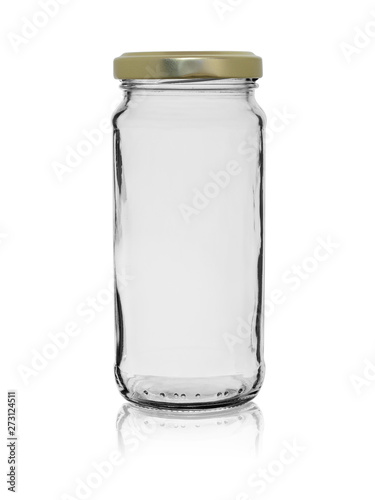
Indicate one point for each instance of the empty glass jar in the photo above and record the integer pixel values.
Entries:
(189, 273)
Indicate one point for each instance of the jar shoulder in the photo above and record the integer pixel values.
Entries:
(180, 112)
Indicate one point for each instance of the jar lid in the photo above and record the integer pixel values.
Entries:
(159, 65)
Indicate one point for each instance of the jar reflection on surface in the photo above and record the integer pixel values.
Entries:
(211, 450)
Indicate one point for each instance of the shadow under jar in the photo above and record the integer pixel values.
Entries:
(188, 223)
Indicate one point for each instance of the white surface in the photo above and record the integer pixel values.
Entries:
(56, 248)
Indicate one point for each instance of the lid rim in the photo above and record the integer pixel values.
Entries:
(180, 65)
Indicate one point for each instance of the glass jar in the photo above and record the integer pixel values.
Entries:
(188, 223)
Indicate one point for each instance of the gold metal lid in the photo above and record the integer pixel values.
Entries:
(169, 65)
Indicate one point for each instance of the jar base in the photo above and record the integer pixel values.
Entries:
(191, 394)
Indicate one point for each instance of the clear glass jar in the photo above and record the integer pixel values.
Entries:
(188, 161)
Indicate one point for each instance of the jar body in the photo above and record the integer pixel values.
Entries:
(188, 160)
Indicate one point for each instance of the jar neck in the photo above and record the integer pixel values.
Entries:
(204, 85)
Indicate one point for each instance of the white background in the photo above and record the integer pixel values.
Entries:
(56, 250)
